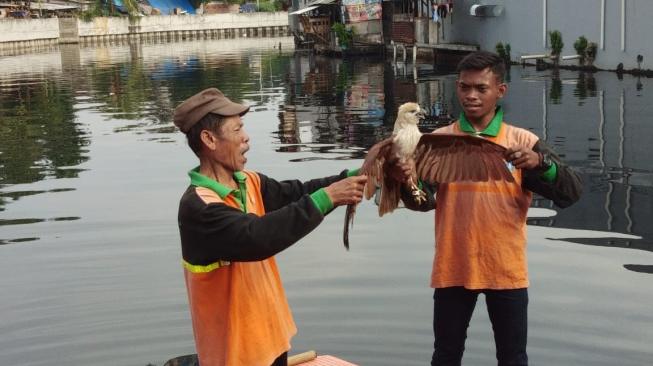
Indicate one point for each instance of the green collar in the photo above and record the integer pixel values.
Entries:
(223, 191)
(492, 128)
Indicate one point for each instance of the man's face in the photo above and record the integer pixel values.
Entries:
(478, 93)
(231, 144)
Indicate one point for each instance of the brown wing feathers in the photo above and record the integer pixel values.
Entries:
(439, 158)
(445, 158)
(372, 167)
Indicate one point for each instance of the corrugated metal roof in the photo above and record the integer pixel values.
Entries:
(322, 2)
(301, 11)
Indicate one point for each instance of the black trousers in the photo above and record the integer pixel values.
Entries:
(452, 311)
(281, 360)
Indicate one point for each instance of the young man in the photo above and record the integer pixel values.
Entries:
(232, 222)
(481, 227)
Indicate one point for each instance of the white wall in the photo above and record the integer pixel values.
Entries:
(523, 24)
(28, 29)
(211, 21)
(103, 26)
(33, 29)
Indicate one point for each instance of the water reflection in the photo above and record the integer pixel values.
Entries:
(585, 87)
(331, 108)
(39, 134)
(335, 104)
(555, 93)
(605, 138)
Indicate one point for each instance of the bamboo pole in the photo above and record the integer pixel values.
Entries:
(301, 358)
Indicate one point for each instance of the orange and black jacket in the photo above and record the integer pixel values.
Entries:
(214, 232)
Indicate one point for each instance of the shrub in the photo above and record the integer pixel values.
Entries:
(557, 45)
(590, 53)
(504, 52)
(345, 36)
(267, 6)
(581, 48)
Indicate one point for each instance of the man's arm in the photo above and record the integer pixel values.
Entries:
(409, 200)
(215, 231)
(564, 189)
(277, 194)
(212, 231)
(557, 182)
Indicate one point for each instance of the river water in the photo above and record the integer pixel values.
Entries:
(91, 170)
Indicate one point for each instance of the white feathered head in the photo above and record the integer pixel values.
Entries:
(410, 112)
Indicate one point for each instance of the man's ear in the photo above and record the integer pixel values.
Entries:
(503, 88)
(208, 139)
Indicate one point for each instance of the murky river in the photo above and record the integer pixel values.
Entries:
(91, 170)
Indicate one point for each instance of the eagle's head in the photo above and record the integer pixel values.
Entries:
(410, 112)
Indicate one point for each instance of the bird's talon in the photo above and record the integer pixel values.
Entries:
(418, 195)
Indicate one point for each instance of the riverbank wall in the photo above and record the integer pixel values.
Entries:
(20, 35)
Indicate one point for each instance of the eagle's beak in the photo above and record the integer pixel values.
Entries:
(421, 114)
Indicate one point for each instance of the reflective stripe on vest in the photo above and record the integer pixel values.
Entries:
(204, 269)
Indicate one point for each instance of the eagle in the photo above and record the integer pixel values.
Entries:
(439, 158)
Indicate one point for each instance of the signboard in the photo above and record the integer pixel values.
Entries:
(362, 12)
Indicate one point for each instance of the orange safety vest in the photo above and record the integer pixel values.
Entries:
(481, 227)
(239, 309)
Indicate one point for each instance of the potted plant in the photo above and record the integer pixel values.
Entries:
(590, 53)
(555, 37)
(504, 52)
(581, 49)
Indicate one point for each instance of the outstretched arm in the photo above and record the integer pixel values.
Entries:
(277, 194)
(212, 231)
(557, 182)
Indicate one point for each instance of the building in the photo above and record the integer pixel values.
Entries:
(618, 27)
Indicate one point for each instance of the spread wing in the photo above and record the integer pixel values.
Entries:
(444, 158)
(439, 158)
(373, 164)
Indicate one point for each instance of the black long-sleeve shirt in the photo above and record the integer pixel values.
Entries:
(217, 232)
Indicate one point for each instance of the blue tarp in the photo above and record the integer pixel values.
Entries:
(167, 6)
(120, 6)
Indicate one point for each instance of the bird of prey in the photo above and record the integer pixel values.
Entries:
(439, 158)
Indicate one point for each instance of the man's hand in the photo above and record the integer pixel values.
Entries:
(401, 172)
(347, 191)
(522, 157)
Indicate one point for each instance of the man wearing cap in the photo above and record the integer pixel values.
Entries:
(232, 222)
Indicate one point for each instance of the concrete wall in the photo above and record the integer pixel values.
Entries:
(525, 23)
(211, 21)
(19, 30)
(103, 26)
(12, 30)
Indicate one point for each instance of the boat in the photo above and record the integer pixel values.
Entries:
(309, 358)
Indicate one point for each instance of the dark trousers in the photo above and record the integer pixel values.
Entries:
(452, 311)
(281, 360)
